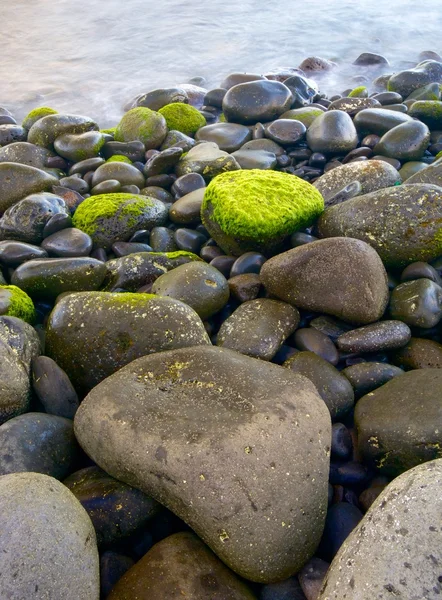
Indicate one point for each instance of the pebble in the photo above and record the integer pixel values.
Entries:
(385, 335)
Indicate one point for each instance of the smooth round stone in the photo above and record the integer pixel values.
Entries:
(126, 248)
(342, 443)
(159, 193)
(332, 386)
(249, 262)
(85, 166)
(311, 577)
(223, 264)
(228, 136)
(420, 270)
(207, 160)
(300, 238)
(352, 106)
(163, 162)
(208, 253)
(53, 388)
(37, 510)
(10, 133)
(180, 564)
(332, 133)
(368, 376)
(39, 443)
(141, 236)
(112, 568)
(47, 278)
(186, 184)
(316, 64)
(178, 140)
(158, 98)
(110, 186)
(26, 154)
(370, 59)
(379, 120)
(14, 373)
(389, 552)
(237, 78)
(45, 131)
(326, 276)
(313, 340)
(256, 101)
(68, 243)
(417, 303)
(76, 183)
(189, 240)
(134, 150)
(56, 223)
(286, 131)
(263, 144)
(386, 98)
(341, 519)
(235, 427)
(199, 285)
(115, 509)
(255, 159)
(419, 354)
(258, 327)
(245, 287)
(331, 327)
(76, 147)
(411, 398)
(407, 141)
(162, 240)
(411, 168)
(215, 97)
(187, 209)
(384, 335)
(13, 253)
(17, 181)
(124, 173)
(407, 81)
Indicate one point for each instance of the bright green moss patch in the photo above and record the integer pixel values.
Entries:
(178, 254)
(183, 117)
(306, 115)
(36, 114)
(427, 111)
(119, 158)
(359, 92)
(14, 302)
(130, 298)
(256, 210)
(109, 130)
(142, 124)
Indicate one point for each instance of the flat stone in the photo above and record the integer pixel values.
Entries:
(228, 136)
(385, 335)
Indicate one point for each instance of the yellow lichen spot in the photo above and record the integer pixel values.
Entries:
(202, 478)
(248, 450)
(223, 535)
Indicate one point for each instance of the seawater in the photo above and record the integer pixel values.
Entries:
(92, 56)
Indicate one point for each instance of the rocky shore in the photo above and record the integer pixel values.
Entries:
(221, 358)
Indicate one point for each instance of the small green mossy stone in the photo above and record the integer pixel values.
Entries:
(109, 218)
(14, 302)
(183, 117)
(144, 125)
(427, 111)
(256, 210)
(119, 158)
(359, 92)
(36, 114)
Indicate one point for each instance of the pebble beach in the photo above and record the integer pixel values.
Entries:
(220, 335)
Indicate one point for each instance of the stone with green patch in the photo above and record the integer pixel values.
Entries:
(35, 114)
(427, 111)
(144, 125)
(14, 302)
(46, 130)
(119, 158)
(207, 160)
(79, 146)
(183, 117)
(257, 210)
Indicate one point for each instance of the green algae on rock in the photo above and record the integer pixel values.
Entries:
(144, 125)
(358, 92)
(108, 218)
(119, 158)
(36, 114)
(14, 302)
(183, 117)
(256, 210)
(427, 111)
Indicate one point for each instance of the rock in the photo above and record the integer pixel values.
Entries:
(207, 160)
(237, 78)
(332, 133)
(47, 278)
(392, 550)
(410, 168)
(332, 386)
(176, 139)
(371, 174)
(419, 354)
(36, 114)
(379, 120)
(134, 151)
(26, 220)
(405, 82)
(427, 111)
(17, 181)
(255, 159)
(187, 209)
(312, 576)
(39, 443)
(46, 130)
(367, 376)
(14, 302)
(15, 387)
(180, 566)
(256, 101)
(286, 131)
(115, 509)
(158, 98)
(245, 286)
(370, 59)
(53, 388)
(76, 147)
(418, 303)
(228, 136)
(124, 173)
(312, 340)
(256, 210)
(197, 284)
(163, 162)
(22, 339)
(13, 253)
(407, 141)
(316, 63)
(110, 218)
(408, 230)
(385, 335)
(400, 424)
(354, 105)
(258, 328)
(182, 117)
(207, 436)
(26, 154)
(113, 566)
(263, 144)
(289, 589)
(47, 542)
(68, 243)
(339, 276)
(144, 125)
(303, 90)
(90, 335)
(305, 115)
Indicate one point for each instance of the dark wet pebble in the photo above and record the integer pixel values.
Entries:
(418, 303)
(125, 248)
(68, 243)
(112, 568)
(53, 388)
(223, 264)
(162, 240)
(228, 136)
(312, 340)
(384, 335)
(56, 223)
(289, 589)
(215, 97)
(84, 166)
(300, 238)
(286, 131)
(163, 162)
(256, 101)
(249, 262)
(420, 270)
(245, 287)
(311, 577)
(187, 209)
(348, 474)
(330, 326)
(73, 182)
(141, 236)
(13, 253)
(341, 443)
(189, 240)
(110, 186)
(386, 98)
(186, 184)
(132, 150)
(10, 133)
(332, 133)
(368, 376)
(341, 519)
(208, 253)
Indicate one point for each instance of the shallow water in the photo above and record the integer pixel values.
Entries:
(92, 56)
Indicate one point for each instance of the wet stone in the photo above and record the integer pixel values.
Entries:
(187, 209)
(53, 388)
(286, 131)
(418, 303)
(332, 133)
(245, 286)
(419, 353)
(256, 101)
(312, 340)
(368, 376)
(385, 335)
(189, 240)
(13, 253)
(162, 239)
(228, 136)
(68, 243)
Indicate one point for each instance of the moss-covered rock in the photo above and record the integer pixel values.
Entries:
(144, 125)
(79, 146)
(14, 302)
(46, 130)
(108, 218)
(306, 115)
(183, 117)
(119, 158)
(109, 131)
(256, 210)
(359, 92)
(36, 114)
(428, 111)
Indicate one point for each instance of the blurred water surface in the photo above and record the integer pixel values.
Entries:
(91, 56)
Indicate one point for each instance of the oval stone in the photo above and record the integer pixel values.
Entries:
(17, 181)
(256, 101)
(332, 133)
